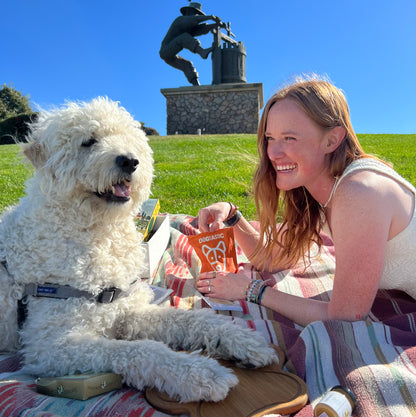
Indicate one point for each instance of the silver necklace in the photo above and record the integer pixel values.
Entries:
(324, 206)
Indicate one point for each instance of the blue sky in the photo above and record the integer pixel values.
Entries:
(79, 49)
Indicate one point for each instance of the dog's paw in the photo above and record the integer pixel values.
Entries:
(246, 348)
(257, 353)
(201, 378)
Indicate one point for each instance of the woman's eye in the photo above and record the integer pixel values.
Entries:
(289, 138)
(89, 142)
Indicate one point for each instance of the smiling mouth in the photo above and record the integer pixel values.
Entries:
(285, 168)
(119, 193)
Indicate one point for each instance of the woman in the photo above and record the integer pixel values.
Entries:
(312, 162)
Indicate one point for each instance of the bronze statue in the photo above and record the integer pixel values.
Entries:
(181, 35)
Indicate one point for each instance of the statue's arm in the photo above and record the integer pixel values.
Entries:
(202, 29)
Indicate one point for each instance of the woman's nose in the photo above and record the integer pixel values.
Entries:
(274, 149)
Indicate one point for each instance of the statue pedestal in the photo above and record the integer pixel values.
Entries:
(213, 109)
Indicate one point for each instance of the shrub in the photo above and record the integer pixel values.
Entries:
(12, 102)
(15, 128)
(149, 130)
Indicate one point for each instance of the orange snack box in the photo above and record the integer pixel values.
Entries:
(216, 250)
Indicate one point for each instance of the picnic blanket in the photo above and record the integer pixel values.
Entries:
(375, 358)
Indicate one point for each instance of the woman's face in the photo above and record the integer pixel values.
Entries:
(296, 146)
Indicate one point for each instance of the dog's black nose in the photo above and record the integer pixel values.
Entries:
(127, 164)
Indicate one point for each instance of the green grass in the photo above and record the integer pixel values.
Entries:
(400, 150)
(13, 174)
(194, 171)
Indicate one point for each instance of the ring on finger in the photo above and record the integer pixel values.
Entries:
(209, 288)
(208, 282)
(214, 274)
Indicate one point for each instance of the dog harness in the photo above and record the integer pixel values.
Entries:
(48, 290)
(66, 291)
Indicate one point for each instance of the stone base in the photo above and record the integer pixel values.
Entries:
(213, 109)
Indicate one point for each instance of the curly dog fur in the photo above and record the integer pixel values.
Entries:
(93, 170)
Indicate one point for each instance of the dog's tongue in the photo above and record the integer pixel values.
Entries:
(121, 190)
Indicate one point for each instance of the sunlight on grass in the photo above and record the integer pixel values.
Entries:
(13, 174)
(194, 171)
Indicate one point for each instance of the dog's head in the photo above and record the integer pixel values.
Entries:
(91, 152)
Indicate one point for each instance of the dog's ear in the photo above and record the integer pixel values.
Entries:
(35, 152)
(221, 245)
(206, 249)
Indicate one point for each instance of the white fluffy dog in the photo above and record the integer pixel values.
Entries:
(74, 233)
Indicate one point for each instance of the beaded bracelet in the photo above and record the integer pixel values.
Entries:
(253, 293)
(247, 290)
(251, 282)
(255, 290)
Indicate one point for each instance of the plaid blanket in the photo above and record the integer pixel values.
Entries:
(375, 358)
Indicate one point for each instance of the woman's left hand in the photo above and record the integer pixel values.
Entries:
(224, 285)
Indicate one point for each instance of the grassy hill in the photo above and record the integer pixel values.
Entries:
(194, 171)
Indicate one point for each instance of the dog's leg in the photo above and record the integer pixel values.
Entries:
(217, 335)
(186, 376)
(9, 338)
(141, 363)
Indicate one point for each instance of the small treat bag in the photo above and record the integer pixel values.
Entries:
(216, 250)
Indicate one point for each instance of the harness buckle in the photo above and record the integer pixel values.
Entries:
(108, 295)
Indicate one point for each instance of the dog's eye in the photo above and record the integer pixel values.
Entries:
(89, 143)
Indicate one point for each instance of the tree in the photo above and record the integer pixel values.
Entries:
(13, 102)
(150, 131)
(15, 114)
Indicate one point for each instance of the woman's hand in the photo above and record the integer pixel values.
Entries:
(224, 285)
(211, 218)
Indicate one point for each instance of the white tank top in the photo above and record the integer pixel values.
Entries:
(399, 270)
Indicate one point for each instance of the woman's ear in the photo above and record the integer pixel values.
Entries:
(333, 138)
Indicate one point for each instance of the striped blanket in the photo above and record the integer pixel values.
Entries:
(375, 358)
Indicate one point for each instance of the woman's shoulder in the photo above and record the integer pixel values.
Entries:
(368, 164)
(368, 172)
(364, 191)
(359, 186)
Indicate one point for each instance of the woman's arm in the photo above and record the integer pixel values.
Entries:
(360, 220)
(229, 286)
(360, 217)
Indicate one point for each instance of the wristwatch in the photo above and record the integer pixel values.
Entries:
(232, 221)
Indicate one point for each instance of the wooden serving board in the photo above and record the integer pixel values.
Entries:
(261, 391)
